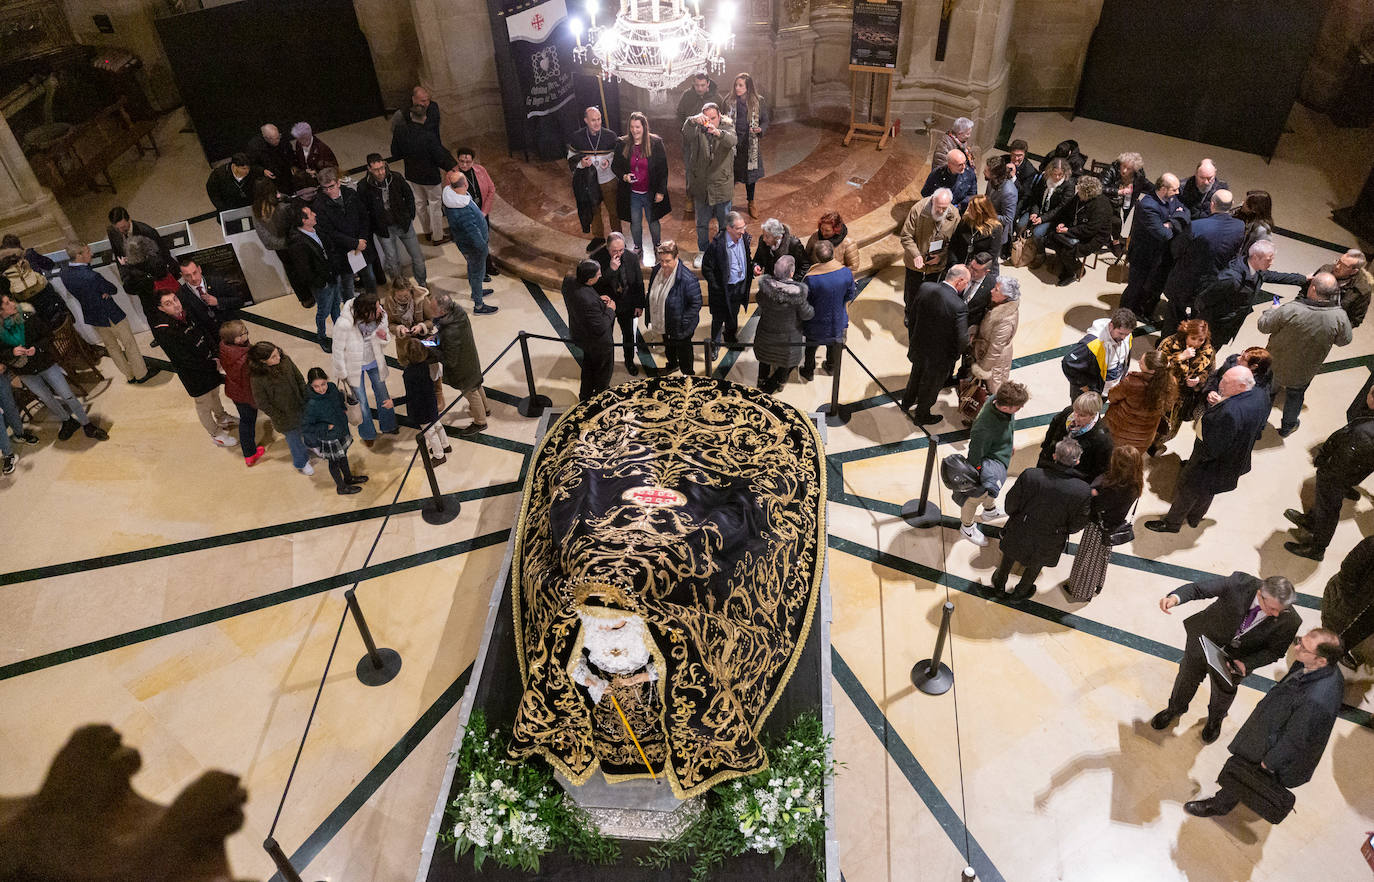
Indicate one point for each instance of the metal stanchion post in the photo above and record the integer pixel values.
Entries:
(930, 675)
(924, 512)
(706, 352)
(836, 414)
(379, 666)
(533, 404)
(284, 867)
(435, 510)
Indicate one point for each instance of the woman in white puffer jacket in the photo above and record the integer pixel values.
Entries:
(359, 337)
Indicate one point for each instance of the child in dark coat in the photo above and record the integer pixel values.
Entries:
(325, 426)
(422, 403)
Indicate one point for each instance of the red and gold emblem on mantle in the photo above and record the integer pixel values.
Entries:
(654, 497)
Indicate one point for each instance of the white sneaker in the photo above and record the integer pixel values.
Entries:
(696, 261)
(991, 514)
(223, 440)
(228, 421)
(973, 534)
(306, 469)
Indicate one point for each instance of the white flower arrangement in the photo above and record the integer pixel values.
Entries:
(513, 812)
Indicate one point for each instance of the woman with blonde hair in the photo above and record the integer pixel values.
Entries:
(980, 229)
(751, 122)
(1136, 404)
(1114, 493)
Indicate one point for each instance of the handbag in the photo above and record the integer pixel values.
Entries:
(1023, 251)
(973, 394)
(1123, 532)
(1257, 787)
(353, 408)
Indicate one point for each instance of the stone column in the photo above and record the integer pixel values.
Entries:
(831, 22)
(1049, 47)
(458, 65)
(1326, 73)
(27, 208)
(971, 81)
(390, 33)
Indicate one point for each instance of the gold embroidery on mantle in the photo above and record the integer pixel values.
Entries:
(725, 580)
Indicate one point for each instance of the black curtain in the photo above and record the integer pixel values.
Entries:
(1222, 73)
(244, 64)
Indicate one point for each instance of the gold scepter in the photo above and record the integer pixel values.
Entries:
(633, 738)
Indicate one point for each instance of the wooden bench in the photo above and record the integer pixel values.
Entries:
(81, 158)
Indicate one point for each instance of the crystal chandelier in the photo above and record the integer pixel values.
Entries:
(655, 44)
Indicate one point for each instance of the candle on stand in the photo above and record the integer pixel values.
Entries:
(591, 11)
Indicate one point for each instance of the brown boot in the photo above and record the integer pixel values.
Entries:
(751, 209)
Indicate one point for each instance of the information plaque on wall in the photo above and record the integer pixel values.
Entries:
(873, 41)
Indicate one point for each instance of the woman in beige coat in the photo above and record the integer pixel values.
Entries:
(992, 336)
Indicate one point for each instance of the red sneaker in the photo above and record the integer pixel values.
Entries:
(257, 455)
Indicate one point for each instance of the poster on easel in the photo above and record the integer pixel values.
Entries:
(876, 29)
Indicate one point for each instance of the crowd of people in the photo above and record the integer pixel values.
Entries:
(1196, 265)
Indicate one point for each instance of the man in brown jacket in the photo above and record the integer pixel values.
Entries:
(925, 239)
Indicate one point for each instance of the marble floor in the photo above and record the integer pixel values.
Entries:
(156, 584)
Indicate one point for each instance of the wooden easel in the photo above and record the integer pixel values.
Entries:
(869, 131)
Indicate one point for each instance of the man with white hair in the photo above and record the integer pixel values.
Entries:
(776, 240)
(1235, 417)
(956, 174)
(1226, 302)
(955, 139)
(925, 239)
(1196, 192)
(269, 151)
(1355, 282)
(937, 332)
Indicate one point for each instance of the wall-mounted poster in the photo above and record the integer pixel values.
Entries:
(873, 41)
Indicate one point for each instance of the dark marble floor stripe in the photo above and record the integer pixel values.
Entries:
(1057, 616)
(555, 320)
(915, 775)
(186, 623)
(378, 774)
(252, 535)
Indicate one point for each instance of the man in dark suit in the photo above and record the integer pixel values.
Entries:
(591, 321)
(209, 300)
(622, 280)
(344, 221)
(1253, 622)
(1286, 734)
(1233, 422)
(1196, 193)
(309, 253)
(269, 151)
(231, 185)
(1045, 507)
(1231, 296)
(937, 331)
(729, 276)
(1210, 245)
(1159, 217)
(1343, 461)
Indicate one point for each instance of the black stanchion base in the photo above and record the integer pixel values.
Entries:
(432, 515)
(374, 676)
(532, 406)
(921, 678)
(916, 516)
(839, 418)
